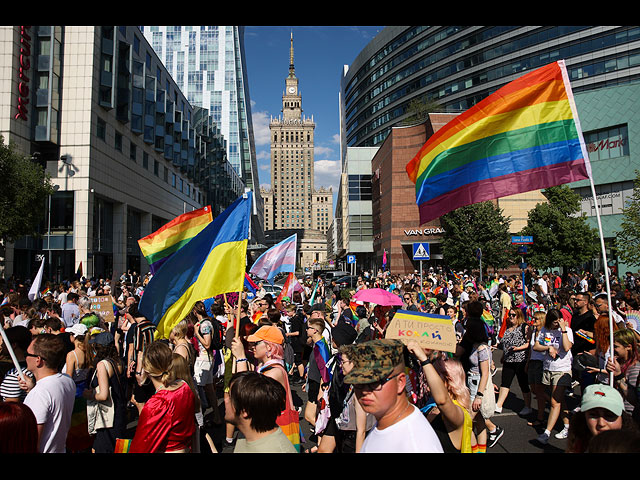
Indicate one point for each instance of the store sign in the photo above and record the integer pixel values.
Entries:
(23, 73)
(607, 144)
(424, 231)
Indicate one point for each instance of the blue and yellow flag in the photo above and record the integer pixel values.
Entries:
(212, 263)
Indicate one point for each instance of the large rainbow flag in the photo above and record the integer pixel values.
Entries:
(525, 136)
(158, 246)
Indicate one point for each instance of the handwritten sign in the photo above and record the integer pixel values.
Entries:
(103, 307)
(435, 332)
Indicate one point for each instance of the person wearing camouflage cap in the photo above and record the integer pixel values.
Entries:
(379, 379)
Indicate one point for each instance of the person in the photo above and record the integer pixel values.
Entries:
(555, 340)
(514, 359)
(140, 334)
(615, 441)
(181, 370)
(475, 354)
(582, 323)
(269, 353)
(379, 379)
(18, 429)
(626, 367)
(70, 310)
(297, 337)
(534, 369)
(601, 410)
(106, 391)
(19, 339)
(318, 376)
(447, 384)
(205, 362)
(182, 345)
(253, 406)
(340, 434)
(51, 398)
(167, 420)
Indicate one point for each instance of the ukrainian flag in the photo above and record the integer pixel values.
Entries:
(212, 263)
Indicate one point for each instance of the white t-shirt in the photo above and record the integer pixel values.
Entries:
(543, 285)
(413, 434)
(564, 359)
(51, 401)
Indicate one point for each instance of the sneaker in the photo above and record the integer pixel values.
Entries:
(495, 436)
(564, 433)
(525, 411)
(498, 410)
(543, 438)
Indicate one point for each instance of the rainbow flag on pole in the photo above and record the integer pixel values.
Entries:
(211, 264)
(525, 136)
(161, 244)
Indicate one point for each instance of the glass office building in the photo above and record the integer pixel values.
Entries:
(457, 66)
(208, 63)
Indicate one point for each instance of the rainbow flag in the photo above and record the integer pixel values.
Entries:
(525, 136)
(158, 246)
(211, 264)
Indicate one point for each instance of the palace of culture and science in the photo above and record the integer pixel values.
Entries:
(293, 204)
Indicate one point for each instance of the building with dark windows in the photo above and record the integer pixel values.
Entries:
(124, 148)
(456, 67)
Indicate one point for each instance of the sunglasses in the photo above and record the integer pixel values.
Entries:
(375, 386)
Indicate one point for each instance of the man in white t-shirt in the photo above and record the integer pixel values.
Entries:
(52, 395)
(379, 380)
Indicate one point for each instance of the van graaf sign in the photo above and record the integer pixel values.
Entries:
(24, 61)
(424, 231)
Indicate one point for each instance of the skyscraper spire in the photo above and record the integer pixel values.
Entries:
(291, 68)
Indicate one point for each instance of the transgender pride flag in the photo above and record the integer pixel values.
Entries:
(279, 258)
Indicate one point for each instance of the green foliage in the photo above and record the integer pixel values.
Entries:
(481, 225)
(25, 188)
(561, 237)
(418, 110)
(628, 238)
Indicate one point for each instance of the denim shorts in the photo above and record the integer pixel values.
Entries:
(473, 380)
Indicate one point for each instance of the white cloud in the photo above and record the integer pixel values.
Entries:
(327, 174)
(261, 133)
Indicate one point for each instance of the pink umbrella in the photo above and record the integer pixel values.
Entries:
(378, 296)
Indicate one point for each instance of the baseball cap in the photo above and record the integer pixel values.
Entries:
(78, 329)
(102, 338)
(602, 396)
(374, 360)
(268, 333)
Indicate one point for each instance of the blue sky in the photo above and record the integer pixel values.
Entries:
(319, 56)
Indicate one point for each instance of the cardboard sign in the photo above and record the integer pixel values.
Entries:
(103, 307)
(431, 331)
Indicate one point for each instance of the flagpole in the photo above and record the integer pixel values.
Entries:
(11, 352)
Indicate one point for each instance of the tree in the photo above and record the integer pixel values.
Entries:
(481, 225)
(628, 238)
(419, 109)
(25, 188)
(561, 237)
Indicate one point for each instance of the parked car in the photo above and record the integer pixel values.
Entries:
(274, 290)
(334, 275)
(347, 282)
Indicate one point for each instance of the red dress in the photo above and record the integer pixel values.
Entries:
(166, 422)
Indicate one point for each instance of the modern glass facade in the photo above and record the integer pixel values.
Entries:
(207, 62)
(457, 66)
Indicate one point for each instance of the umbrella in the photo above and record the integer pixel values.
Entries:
(378, 296)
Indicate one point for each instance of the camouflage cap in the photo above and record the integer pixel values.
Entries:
(373, 360)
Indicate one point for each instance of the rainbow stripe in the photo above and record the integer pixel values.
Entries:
(164, 242)
(525, 136)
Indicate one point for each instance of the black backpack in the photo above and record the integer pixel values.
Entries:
(217, 334)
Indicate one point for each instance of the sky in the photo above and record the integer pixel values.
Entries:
(320, 54)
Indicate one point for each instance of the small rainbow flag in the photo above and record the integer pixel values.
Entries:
(525, 136)
(164, 242)
(122, 445)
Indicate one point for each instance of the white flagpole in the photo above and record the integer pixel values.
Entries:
(11, 352)
(585, 155)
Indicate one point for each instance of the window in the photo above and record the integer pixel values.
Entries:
(608, 143)
(101, 129)
(132, 151)
(118, 141)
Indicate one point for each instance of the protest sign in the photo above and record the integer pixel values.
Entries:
(102, 306)
(431, 331)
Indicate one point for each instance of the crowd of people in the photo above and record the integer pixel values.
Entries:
(73, 380)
